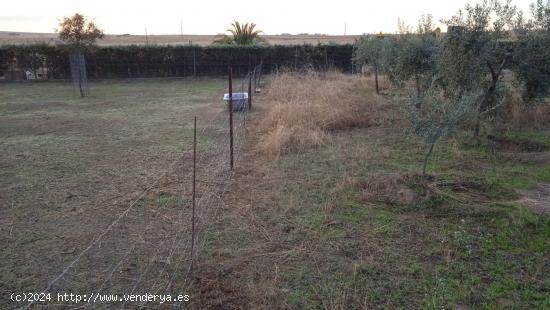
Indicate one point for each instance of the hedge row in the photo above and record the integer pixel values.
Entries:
(175, 61)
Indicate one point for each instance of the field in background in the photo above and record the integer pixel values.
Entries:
(203, 40)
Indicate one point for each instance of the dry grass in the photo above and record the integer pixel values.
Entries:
(302, 108)
(521, 115)
(71, 166)
(388, 187)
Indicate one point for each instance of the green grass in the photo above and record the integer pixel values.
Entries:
(437, 253)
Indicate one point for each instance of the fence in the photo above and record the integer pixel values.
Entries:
(174, 61)
(151, 246)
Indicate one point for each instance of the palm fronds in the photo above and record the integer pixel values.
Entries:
(241, 34)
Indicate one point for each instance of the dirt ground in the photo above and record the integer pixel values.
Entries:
(110, 172)
(538, 199)
(203, 40)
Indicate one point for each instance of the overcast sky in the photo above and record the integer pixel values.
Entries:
(212, 17)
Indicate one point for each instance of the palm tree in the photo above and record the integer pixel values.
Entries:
(241, 34)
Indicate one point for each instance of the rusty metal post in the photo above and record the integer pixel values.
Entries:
(230, 118)
(194, 61)
(194, 195)
(250, 91)
(258, 80)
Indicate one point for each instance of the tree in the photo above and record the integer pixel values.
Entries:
(79, 34)
(242, 34)
(414, 54)
(426, 25)
(372, 50)
(476, 51)
(531, 61)
(433, 115)
(403, 56)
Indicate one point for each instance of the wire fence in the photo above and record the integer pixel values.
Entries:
(171, 61)
(151, 245)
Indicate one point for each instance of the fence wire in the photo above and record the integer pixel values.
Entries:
(146, 248)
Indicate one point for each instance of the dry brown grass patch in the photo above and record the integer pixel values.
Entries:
(529, 116)
(388, 187)
(521, 114)
(302, 108)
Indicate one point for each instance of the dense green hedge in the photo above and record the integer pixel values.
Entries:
(177, 61)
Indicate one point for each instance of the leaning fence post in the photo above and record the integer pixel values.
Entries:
(258, 81)
(230, 118)
(194, 190)
(250, 91)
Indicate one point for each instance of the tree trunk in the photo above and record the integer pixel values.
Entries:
(80, 85)
(81, 75)
(483, 106)
(376, 79)
(426, 160)
(489, 94)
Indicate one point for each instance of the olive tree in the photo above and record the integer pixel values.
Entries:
(372, 50)
(415, 56)
(434, 115)
(531, 61)
(476, 51)
(403, 56)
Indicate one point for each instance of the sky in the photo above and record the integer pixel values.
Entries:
(213, 17)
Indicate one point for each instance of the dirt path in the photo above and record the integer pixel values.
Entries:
(538, 199)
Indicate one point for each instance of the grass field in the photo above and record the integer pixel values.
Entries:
(327, 227)
(69, 166)
(343, 222)
(203, 40)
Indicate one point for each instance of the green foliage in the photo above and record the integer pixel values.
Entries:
(371, 50)
(413, 55)
(375, 51)
(476, 51)
(404, 56)
(532, 53)
(434, 115)
(426, 25)
(242, 34)
(474, 47)
(413, 58)
(182, 60)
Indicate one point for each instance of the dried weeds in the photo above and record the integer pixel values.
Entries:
(302, 108)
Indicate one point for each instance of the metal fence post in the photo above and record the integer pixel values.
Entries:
(250, 91)
(230, 118)
(194, 62)
(194, 190)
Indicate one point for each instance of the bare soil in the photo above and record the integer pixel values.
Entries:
(538, 199)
